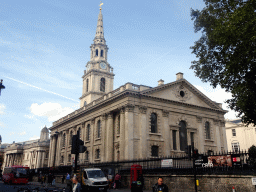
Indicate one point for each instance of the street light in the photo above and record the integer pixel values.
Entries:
(1, 86)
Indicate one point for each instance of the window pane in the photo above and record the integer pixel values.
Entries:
(183, 135)
(207, 130)
(233, 132)
(154, 151)
(174, 139)
(102, 84)
(153, 123)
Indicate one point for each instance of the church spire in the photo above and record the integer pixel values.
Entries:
(100, 30)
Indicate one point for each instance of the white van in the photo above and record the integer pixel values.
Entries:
(94, 179)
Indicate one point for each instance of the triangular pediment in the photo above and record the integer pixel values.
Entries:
(182, 91)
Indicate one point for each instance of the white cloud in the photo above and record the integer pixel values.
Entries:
(2, 108)
(53, 111)
(220, 96)
(29, 116)
(12, 133)
(34, 137)
(22, 133)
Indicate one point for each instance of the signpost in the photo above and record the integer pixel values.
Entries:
(167, 163)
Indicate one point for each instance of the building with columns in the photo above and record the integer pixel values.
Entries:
(135, 121)
(34, 153)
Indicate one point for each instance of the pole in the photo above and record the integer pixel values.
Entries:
(194, 165)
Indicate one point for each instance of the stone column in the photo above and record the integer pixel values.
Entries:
(110, 137)
(225, 144)
(166, 134)
(122, 135)
(43, 158)
(50, 150)
(58, 149)
(53, 152)
(143, 132)
(39, 158)
(200, 135)
(103, 138)
(92, 139)
(217, 135)
(129, 132)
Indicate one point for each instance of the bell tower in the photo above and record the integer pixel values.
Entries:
(98, 77)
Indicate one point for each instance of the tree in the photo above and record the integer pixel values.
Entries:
(252, 156)
(226, 51)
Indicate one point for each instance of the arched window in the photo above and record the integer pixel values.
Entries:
(70, 138)
(207, 130)
(98, 128)
(183, 135)
(88, 132)
(63, 140)
(97, 154)
(79, 132)
(87, 85)
(97, 52)
(101, 53)
(102, 84)
(154, 151)
(153, 123)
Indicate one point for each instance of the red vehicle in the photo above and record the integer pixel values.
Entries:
(16, 175)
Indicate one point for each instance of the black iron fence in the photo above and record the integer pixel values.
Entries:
(229, 163)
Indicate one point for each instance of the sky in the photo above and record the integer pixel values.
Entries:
(45, 45)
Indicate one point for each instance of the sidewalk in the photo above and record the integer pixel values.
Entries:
(61, 186)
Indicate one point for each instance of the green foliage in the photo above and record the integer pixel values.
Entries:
(226, 51)
(252, 155)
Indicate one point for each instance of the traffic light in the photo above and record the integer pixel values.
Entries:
(188, 151)
(77, 145)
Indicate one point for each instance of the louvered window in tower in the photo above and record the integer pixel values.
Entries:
(102, 84)
(97, 52)
(207, 130)
(101, 53)
(87, 85)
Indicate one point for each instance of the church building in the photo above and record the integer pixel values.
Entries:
(135, 121)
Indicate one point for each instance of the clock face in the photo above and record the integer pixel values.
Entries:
(103, 65)
(88, 66)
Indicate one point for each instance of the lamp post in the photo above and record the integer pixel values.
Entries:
(1, 85)
(56, 136)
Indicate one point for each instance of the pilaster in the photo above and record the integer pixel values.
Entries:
(166, 133)
(143, 131)
(200, 134)
(122, 134)
(110, 137)
(91, 139)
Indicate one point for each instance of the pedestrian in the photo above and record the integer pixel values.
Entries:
(69, 183)
(42, 179)
(77, 186)
(49, 179)
(160, 186)
(117, 181)
(53, 180)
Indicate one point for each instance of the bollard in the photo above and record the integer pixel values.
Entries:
(233, 189)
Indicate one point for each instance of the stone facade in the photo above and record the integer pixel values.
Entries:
(34, 153)
(136, 121)
(240, 137)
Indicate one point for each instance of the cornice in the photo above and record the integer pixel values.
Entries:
(97, 72)
(92, 92)
(125, 93)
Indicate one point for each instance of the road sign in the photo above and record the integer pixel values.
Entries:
(254, 181)
(167, 163)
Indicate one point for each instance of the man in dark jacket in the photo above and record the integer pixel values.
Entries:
(160, 186)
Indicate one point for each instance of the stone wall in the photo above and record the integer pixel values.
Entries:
(207, 183)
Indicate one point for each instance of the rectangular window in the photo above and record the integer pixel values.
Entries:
(233, 132)
(154, 151)
(235, 147)
(174, 140)
(192, 137)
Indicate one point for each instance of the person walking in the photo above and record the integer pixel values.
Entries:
(117, 181)
(68, 182)
(160, 186)
(77, 186)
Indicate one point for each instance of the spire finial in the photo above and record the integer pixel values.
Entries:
(101, 4)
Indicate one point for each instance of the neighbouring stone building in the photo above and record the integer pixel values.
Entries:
(240, 137)
(135, 121)
(34, 153)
